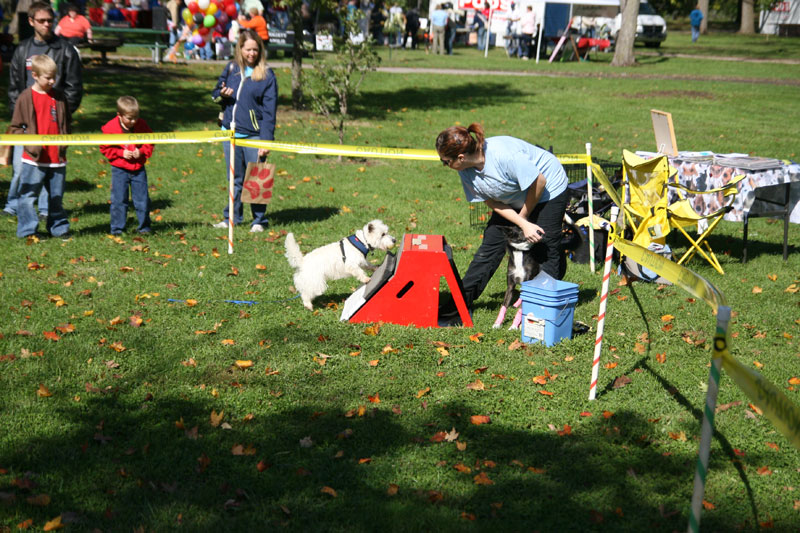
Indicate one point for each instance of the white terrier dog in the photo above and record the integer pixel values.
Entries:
(337, 260)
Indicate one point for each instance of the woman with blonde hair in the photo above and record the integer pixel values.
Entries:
(248, 93)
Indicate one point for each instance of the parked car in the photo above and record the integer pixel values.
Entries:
(651, 28)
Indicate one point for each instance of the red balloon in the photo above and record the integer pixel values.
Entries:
(193, 8)
(227, 3)
(202, 30)
(231, 10)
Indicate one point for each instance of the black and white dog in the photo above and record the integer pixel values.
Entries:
(524, 260)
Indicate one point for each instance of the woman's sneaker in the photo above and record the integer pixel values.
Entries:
(221, 225)
(256, 228)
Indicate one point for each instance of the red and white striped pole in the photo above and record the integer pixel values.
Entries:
(601, 317)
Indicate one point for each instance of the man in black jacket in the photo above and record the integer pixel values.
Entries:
(68, 80)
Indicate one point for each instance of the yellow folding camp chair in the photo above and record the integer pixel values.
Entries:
(647, 184)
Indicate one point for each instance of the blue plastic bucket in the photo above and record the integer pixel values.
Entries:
(548, 309)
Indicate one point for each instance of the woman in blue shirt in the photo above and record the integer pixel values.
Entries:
(248, 93)
(522, 184)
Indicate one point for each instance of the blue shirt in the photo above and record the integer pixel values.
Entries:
(511, 167)
(439, 17)
(695, 17)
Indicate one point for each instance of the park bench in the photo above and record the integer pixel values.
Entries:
(115, 37)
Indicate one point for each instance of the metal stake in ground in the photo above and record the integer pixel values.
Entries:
(601, 316)
(707, 429)
(591, 208)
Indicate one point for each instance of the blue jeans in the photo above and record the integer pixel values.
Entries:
(242, 156)
(695, 33)
(13, 189)
(482, 38)
(32, 180)
(121, 181)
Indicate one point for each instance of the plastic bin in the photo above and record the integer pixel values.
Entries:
(548, 310)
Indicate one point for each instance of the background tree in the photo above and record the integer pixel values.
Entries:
(336, 78)
(747, 24)
(298, 13)
(623, 48)
(703, 5)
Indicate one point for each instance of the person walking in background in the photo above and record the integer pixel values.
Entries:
(41, 109)
(256, 23)
(69, 82)
(248, 93)
(396, 25)
(695, 18)
(127, 167)
(527, 25)
(412, 28)
(439, 26)
(522, 184)
(481, 21)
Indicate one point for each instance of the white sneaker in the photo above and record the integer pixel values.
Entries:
(221, 225)
(256, 228)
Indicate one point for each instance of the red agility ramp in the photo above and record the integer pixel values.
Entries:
(405, 289)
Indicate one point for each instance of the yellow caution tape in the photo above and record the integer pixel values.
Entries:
(116, 138)
(677, 274)
(341, 149)
(784, 414)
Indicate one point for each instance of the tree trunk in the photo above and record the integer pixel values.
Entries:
(747, 26)
(703, 5)
(623, 49)
(297, 64)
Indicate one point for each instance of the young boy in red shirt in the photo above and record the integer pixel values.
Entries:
(127, 167)
(42, 110)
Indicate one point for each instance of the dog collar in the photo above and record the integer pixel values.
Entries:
(355, 242)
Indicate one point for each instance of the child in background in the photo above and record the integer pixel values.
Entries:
(127, 167)
(42, 110)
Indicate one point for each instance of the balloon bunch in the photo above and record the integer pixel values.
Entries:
(204, 17)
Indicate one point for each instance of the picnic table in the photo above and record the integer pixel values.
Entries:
(115, 37)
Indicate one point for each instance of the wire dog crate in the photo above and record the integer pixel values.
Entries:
(576, 174)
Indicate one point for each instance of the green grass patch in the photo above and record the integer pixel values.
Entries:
(126, 438)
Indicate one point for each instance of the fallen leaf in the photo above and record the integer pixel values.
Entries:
(667, 318)
(476, 385)
(679, 436)
(374, 362)
(661, 357)
(476, 337)
(607, 414)
(755, 409)
(25, 524)
(329, 491)
(757, 290)
(392, 489)
(243, 364)
(566, 431)
(374, 399)
(227, 342)
(262, 465)
(43, 392)
(480, 419)
(794, 381)
(482, 479)
(40, 500)
(215, 418)
(764, 471)
(773, 446)
(372, 330)
(53, 524)
(708, 505)
(545, 392)
(306, 442)
(51, 335)
(451, 435)
(621, 381)
(611, 365)
(423, 392)
(439, 436)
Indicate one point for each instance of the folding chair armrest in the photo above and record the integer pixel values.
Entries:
(729, 189)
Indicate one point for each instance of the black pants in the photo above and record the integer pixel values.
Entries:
(547, 215)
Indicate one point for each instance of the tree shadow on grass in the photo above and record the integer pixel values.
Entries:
(163, 106)
(373, 104)
(297, 214)
(125, 457)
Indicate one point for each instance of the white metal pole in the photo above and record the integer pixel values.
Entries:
(591, 207)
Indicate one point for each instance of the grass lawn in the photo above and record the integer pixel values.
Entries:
(123, 407)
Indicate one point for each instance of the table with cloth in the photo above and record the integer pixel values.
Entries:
(702, 175)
